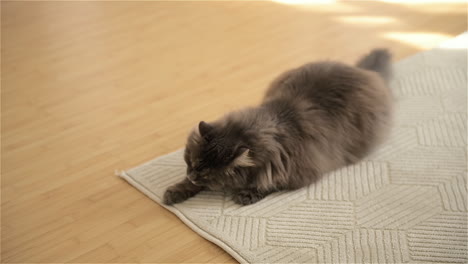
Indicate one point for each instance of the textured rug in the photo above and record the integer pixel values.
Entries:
(405, 203)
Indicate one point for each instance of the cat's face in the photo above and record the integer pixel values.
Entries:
(215, 156)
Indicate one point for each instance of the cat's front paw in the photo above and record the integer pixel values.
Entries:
(247, 197)
(173, 196)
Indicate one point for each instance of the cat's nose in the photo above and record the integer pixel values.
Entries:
(192, 178)
(196, 183)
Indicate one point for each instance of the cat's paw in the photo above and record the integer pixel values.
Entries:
(246, 197)
(173, 196)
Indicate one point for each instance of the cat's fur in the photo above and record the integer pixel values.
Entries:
(313, 119)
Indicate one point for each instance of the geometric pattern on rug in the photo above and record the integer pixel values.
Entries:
(405, 203)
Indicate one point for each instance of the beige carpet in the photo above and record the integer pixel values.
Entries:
(406, 203)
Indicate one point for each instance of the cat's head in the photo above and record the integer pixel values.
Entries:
(215, 155)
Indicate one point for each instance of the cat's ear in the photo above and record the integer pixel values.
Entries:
(196, 137)
(243, 159)
(204, 128)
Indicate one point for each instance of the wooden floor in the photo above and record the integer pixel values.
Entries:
(90, 87)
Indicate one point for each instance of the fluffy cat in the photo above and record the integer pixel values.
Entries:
(313, 119)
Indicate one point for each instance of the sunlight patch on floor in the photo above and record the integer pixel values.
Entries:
(422, 1)
(367, 20)
(420, 40)
(460, 42)
(304, 2)
(328, 6)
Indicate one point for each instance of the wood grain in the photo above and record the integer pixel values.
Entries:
(89, 87)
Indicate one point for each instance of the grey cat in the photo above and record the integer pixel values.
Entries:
(313, 119)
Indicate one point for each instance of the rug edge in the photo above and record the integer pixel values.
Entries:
(124, 175)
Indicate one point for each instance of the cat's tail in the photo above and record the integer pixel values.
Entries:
(378, 60)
